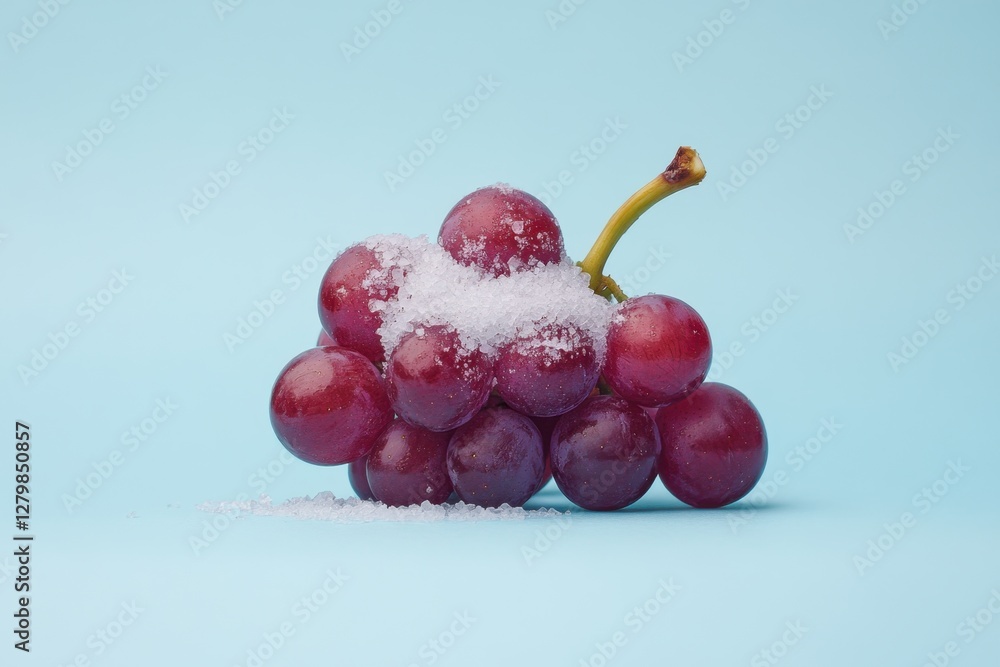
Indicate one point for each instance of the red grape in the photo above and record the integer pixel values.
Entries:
(603, 453)
(358, 477)
(328, 405)
(714, 446)
(434, 381)
(500, 229)
(496, 458)
(659, 350)
(407, 466)
(355, 279)
(547, 371)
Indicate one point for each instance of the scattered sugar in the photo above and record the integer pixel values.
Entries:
(553, 343)
(486, 311)
(327, 507)
(471, 249)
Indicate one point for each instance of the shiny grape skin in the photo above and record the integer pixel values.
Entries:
(358, 477)
(496, 458)
(407, 466)
(434, 382)
(659, 350)
(545, 427)
(604, 452)
(328, 405)
(714, 446)
(497, 224)
(344, 302)
(541, 380)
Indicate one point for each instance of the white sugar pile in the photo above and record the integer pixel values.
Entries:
(486, 311)
(327, 507)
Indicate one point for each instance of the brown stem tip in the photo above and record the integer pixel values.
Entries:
(685, 170)
(686, 166)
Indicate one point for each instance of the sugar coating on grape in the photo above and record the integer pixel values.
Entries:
(547, 371)
(486, 311)
(435, 382)
(354, 279)
(501, 230)
(327, 507)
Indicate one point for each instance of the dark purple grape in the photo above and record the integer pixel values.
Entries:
(714, 446)
(328, 405)
(659, 350)
(496, 458)
(407, 466)
(358, 478)
(545, 427)
(603, 453)
(500, 229)
(435, 382)
(547, 371)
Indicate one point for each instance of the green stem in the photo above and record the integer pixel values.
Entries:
(685, 170)
(613, 289)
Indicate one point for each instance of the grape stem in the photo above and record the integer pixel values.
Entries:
(685, 170)
(609, 288)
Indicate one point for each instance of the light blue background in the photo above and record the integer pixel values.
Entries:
(742, 575)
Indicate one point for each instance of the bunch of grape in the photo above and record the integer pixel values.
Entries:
(478, 368)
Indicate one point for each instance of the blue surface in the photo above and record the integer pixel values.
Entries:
(829, 103)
